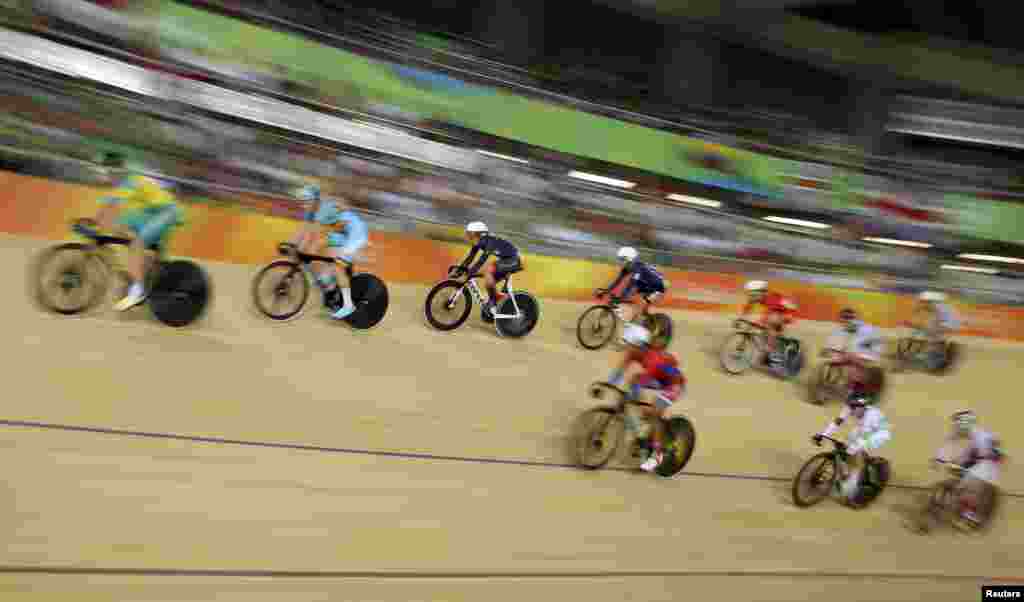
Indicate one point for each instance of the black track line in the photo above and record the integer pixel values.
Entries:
(380, 453)
(440, 575)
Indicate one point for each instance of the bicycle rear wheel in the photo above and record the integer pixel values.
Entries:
(370, 296)
(180, 294)
(678, 453)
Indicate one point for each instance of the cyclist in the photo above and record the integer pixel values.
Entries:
(870, 433)
(643, 279)
(507, 262)
(337, 233)
(777, 311)
(981, 457)
(862, 345)
(653, 376)
(144, 211)
(939, 318)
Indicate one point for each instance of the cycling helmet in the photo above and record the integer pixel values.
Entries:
(857, 400)
(636, 335)
(627, 254)
(756, 286)
(964, 420)
(932, 297)
(476, 228)
(308, 193)
(112, 159)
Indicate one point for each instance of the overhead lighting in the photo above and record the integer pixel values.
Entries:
(582, 175)
(969, 268)
(990, 258)
(899, 243)
(797, 222)
(693, 200)
(501, 156)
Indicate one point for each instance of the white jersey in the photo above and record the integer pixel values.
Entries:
(872, 423)
(867, 341)
(981, 445)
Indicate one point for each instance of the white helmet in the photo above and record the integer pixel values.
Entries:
(636, 335)
(476, 228)
(932, 296)
(627, 254)
(756, 286)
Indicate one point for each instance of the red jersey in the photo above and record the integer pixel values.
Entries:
(774, 303)
(659, 365)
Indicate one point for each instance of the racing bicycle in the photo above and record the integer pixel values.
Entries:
(916, 351)
(288, 281)
(73, 278)
(599, 431)
(831, 379)
(742, 349)
(943, 504)
(450, 302)
(818, 476)
(599, 323)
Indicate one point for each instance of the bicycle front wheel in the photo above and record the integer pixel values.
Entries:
(69, 279)
(596, 327)
(598, 434)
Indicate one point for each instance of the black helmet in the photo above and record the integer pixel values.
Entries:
(858, 399)
(112, 159)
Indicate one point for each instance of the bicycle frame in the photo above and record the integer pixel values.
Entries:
(474, 290)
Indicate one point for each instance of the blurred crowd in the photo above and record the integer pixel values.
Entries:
(216, 160)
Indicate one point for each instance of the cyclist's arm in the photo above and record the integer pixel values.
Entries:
(838, 422)
(623, 273)
(111, 204)
(469, 258)
(618, 375)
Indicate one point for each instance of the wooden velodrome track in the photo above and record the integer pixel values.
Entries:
(243, 460)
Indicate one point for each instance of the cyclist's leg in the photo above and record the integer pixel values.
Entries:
(345, 250)
(979, 476)
(150, 227)
(627, 315)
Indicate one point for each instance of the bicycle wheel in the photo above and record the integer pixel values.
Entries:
(288, 287)
(596, 327)
(737, 355)
(820, 473)
(873, 481)
(824, 383)
(661, 328)
(370, 296)
(680, 450)
(598, 434)
(180, 293)
(529, 315)
(442, 305)
(68, 279)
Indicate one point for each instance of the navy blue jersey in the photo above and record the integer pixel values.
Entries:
(642, 276)
(490, 245)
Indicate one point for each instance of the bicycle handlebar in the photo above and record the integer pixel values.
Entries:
(597, 387)
(744, 322)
